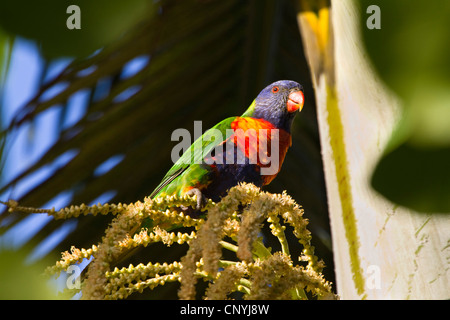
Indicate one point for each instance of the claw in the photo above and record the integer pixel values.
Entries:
(201, 199)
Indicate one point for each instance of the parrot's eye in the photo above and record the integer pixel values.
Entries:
(275, 89)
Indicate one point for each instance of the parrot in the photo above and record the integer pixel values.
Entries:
(238, 149)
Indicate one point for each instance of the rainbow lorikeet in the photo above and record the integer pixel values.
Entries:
(250, 148)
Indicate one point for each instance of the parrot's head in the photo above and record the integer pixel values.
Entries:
(278, 103)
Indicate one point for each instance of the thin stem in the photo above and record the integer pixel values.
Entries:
(299, 294)
(244, 286)
(229, 246)
(284, 243)
(226, 263)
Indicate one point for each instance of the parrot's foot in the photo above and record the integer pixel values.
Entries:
(201, 199)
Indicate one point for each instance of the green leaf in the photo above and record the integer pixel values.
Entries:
(410, 53)
(45, 21)
(21, 280)
(416, 177)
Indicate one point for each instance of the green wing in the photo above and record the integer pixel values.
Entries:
(188, 165)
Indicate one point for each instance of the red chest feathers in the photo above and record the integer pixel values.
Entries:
(263, 143)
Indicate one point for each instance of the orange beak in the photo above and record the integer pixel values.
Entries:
(295, 101)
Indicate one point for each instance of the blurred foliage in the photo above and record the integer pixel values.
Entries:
(204, 60)
(5, 55)
(22, 280)
(411, 54)
(102, 21)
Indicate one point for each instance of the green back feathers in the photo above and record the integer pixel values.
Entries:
(187, 171)
(189, 163)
